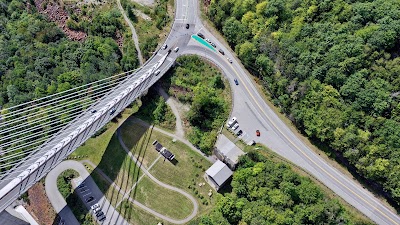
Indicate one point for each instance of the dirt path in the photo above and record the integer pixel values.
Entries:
(171, 102)
(134, 35)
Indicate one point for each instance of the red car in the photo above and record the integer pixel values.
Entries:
(258, 133)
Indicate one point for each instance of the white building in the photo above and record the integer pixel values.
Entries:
(218, 174)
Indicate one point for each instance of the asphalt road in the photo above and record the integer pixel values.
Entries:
(91, 189)
(253, 113)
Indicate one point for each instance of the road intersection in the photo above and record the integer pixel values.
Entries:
(252, 112)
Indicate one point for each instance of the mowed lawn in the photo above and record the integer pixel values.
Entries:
(165, 201)
(139, 140)
(190, 166)
(137, 216)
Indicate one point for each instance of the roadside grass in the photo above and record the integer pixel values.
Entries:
(328, 192)
(135, 215)
(167, 202)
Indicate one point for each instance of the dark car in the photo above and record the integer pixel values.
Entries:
(169, 51)
(91, 198)
(102, 218)
(187, 26)
(201, 35)
(99, 213)
(221, 51)
(258, 133)
(112, 111)
(240, 132)
(93, 111)
(236, 81)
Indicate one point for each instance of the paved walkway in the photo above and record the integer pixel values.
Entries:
(59, 204)
(171, 102)
(186, 142)
(145, 171)
(134, 34)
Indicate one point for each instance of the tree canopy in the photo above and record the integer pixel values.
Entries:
(269, 192)
(334, 69)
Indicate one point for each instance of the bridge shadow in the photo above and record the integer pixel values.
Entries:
(115, 176)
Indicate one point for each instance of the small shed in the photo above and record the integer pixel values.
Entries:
(218, 174)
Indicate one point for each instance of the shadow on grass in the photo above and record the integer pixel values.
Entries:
(115, 166)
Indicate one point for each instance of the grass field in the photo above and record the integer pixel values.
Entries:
(137, 216)
(186, 174)
(162, 200)
(139, 140)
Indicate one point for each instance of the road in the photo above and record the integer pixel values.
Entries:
(253, 113)
(59, 204)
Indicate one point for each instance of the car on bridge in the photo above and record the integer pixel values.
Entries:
(157, 72)
(112, 111)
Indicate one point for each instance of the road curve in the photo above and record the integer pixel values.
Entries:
(58, 202)
(56, 199)
(180, 191)
(252, 111)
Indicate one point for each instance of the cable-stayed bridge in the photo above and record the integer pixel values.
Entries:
(37, 135)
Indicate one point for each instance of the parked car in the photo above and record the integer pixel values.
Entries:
(208, 40)
(81, 185)
(258, 133)
(221, 51)
(201, 35)
(236, 81)
(102, 218)
(91, 198)
(212, 44)
(240, 132)
(164, 47)
(176, 49)
(231, 122)
(95, 206)
(99, 214)
(187, 26)
(234, 127)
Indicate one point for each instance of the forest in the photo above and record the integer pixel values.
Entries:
(269, 192)
(37, 59)
(332, 67)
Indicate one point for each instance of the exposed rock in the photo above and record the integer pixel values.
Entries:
(59, 15)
